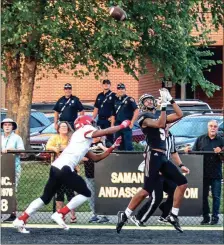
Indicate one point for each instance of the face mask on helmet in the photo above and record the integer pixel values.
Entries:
(142, 100)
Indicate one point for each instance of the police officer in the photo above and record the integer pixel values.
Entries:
(67, 107)
(103, 107)
(124, 108)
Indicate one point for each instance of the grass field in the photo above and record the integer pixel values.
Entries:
(33, 179)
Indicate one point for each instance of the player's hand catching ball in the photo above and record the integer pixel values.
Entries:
(163, 98)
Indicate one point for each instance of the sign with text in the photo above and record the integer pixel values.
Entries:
(117, 180)
(8, 199)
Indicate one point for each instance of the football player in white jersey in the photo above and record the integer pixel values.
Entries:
(62, 170)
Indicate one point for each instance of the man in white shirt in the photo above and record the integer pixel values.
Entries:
(11, 141)
(62, 170)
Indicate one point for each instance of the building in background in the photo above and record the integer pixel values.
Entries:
(88, 87)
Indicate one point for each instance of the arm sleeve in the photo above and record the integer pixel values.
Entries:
(20, 145)
(79, 105)
(56, 106)
(133, 104)
(96, 102)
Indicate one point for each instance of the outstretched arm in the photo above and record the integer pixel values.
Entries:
(111, 130)
(98, 157)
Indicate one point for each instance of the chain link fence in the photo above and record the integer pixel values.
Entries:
(34, 174)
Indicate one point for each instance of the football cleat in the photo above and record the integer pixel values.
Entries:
(122, 219)
(173, 220)
(137, 222)
(58, 218)
(20, 225)
(162, 220)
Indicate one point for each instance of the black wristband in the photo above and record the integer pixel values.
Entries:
(181, 165)
(163, 109)
(172, 101)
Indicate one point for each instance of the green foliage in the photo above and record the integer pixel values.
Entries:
(59, 32)
(138, 147)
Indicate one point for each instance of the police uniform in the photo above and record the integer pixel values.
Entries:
(124, 108)
(104, 103)
(156, 161)
(69, 107)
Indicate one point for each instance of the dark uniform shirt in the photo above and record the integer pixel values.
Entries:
(155, 137)
(124, 108)
(212, 162)
(105, 103)
(89, 165)
(70, 112)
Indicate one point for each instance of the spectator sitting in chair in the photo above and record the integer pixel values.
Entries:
(11, 141)
(97, 145)
(57, 143)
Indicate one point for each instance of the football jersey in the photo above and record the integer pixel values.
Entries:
(155, 137)
(77, 148)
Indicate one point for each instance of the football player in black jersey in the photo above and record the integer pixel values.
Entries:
(153, 129)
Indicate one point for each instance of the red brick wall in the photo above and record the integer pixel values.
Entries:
(216, 36)
(51, 88)
(148, 83)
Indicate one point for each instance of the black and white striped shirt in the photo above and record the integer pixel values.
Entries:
(170, 145)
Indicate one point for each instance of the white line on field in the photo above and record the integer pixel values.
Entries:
(47, 226)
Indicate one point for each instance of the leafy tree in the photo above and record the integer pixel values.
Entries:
(51, 33)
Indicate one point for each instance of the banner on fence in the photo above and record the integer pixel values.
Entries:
(117, 180)
(8, 199)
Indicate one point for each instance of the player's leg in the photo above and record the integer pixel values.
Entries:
(75, 182)
(60, 197)
(169, 187)
(151, 175)
(70, 194)
(170, 171)
(50, 189)
(151, 205)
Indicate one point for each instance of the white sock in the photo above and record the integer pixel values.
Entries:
(34, 206)
(76, 201)
(128, 212)
(175, 211)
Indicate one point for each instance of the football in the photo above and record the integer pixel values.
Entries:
(117, 13)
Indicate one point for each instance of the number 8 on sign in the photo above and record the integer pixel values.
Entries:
(4, 205)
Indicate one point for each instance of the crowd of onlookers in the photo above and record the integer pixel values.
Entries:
(111, 109)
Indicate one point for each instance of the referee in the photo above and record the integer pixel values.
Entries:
(162, 184)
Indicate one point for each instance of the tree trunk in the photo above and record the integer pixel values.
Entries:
(13, 84)
(27, 85)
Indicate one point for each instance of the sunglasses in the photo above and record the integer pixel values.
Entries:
(67, 88)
